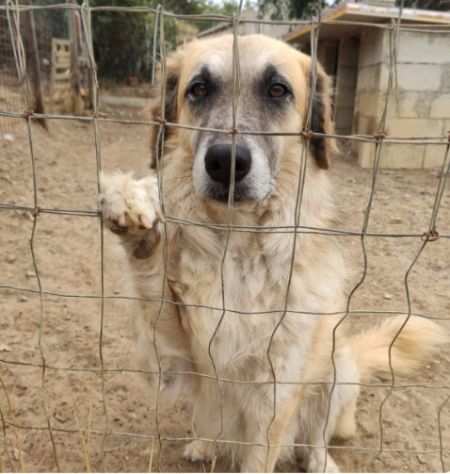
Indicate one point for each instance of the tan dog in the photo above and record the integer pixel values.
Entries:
(280, 291)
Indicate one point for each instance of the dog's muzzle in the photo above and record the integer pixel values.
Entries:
(218, 162)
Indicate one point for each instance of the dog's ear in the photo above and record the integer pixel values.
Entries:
(321, 117)
(171, 78)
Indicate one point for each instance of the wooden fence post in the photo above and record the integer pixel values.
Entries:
(74, 37)
(33, 64)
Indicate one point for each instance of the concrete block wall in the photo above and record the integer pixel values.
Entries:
(419, 107)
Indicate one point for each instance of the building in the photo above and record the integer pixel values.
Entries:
(356, 48)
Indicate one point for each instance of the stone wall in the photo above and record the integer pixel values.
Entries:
(418, 107)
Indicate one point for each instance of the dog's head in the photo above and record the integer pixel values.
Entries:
(272, 93)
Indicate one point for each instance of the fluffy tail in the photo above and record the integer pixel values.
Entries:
(418, 341)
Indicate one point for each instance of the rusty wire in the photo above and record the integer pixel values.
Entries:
(379, 139)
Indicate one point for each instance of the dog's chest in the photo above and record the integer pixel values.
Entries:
(239, 277)
(230, 300)
(238, 298)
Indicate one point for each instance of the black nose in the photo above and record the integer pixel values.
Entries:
(218, 162)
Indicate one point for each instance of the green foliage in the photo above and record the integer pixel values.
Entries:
(123, 41)
(51, 22)
(438, 5)
(284, 9)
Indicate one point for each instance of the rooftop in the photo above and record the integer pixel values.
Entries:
(358, 15)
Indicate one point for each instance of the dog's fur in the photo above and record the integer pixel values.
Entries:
(289, 339)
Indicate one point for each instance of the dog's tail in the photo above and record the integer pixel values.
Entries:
(418, 341)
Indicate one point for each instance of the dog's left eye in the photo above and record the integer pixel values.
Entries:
(198, 89)
(278, 90)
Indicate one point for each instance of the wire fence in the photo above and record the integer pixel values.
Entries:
(10, 76)
(15, 432)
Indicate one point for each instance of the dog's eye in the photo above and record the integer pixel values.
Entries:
(198, 89)
(276, 91)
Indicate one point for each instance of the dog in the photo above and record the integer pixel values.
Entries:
(215, 248)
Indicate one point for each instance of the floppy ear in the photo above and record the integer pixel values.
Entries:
(322, 119)
(173, 66)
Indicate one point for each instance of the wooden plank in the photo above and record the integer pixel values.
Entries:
(62, 53)
(61, 90)
(58, 76)
(61, 72)
(61, 84)
(62, 58)
(63, 64)
(61, 69)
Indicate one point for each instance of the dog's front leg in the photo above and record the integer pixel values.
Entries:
(130, 208)
(268, 430)
(207, 422)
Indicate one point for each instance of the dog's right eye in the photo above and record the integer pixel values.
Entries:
(198, 90)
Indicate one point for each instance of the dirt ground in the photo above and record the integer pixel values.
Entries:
(65, 330)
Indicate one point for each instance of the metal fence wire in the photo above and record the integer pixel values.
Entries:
(16, 433)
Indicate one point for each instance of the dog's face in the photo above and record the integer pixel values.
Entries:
(271, 97)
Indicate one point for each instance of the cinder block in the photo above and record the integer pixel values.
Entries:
(366, 154)
(370, 104)
(423, 47)
(346, 112)
(440, 107)
(346, 76)
(348, 52)
(405, 128)
(392, 156)
(345, 98)
(434, 156)
(446, 127)
(373, 48)
(398, 155)
(365, 125)
(413, 104)
(372, 78)
(344, 120)
(445, 78)
(419, 77)
(402, 156)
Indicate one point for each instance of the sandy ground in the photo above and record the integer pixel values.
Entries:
(66, 330)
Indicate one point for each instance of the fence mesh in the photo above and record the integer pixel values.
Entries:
(34, 439)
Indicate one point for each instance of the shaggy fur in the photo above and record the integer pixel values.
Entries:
(291, 340)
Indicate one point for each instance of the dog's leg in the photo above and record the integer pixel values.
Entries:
(205, 423)
(341, 415)
(198, 451)
(131, 209)
(346, 422)
(341, 423)
(319, 459)
(267, 431)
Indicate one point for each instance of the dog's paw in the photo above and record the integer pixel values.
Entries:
(317, 463)
(129, 205)
(197, 451)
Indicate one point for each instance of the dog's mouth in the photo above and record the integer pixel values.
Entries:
(219, 192)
